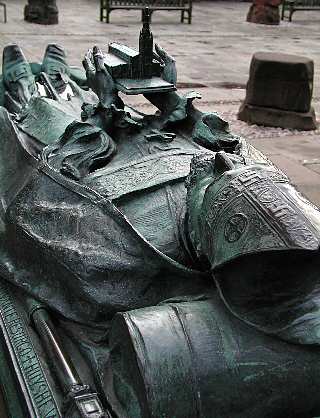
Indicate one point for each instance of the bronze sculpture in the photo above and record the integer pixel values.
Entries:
(152, 266)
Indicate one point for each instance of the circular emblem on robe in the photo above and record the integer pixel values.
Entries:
(235, 227)
(267, 196)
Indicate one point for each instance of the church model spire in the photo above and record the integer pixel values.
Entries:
(137, 72)
(146, 45)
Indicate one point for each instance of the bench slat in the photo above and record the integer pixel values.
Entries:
(142, 4)
(185, 6)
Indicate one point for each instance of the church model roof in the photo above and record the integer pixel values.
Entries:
(137, 72)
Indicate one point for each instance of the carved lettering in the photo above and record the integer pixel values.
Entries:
(26, 357)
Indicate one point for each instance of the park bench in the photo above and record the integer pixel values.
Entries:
(294, 5)
(185, 6)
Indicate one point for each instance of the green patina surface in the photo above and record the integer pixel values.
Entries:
(178, 268)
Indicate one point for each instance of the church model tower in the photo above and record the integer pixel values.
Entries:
(146, 46)
(137, 72)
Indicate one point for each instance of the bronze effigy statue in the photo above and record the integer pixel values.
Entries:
(151, 265)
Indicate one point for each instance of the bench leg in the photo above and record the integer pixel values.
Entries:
(282, 11)
(183, 17)
(102, 8)
(291, 13)
(189, 16)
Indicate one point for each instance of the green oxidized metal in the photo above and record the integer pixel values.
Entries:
(151, 265)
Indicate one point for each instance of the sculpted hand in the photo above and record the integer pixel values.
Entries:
(169, 72)
(99, 79)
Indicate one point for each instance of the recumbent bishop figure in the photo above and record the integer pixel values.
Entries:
(158, 265)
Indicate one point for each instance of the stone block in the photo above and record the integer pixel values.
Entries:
(280, 81)
(44, 12)
(279, 92)
(264, 12)
(267, 116)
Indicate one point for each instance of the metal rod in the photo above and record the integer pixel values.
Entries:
(63, 366)
(79, 401)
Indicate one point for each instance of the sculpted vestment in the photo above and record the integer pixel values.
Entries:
(189, 239)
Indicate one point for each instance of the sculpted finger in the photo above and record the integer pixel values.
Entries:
(159, 51)
(157, 57)
(88, 61)
(88, 66)
(163, 54)
(98, 58)
(85, 64)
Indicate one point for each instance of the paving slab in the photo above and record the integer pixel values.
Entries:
(299, 158)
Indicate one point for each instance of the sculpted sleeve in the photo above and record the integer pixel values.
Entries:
(261, 239)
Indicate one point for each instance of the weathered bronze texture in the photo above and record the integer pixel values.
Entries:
(185, 354)
(134, 71)
(150, 265)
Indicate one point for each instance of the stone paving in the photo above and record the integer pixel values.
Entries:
(213, 57)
